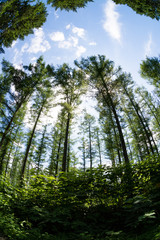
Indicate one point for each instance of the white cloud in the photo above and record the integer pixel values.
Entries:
(71, 42)
(148, 45)
(33, 59)
(79, 31)
(56, 14)
(57, 36)
(14, 43)
(92, 43)
(38, 42)
(24, 47)
(80, 50)
(111, 23)
(65, 44)
(74, 41)
(68, 26)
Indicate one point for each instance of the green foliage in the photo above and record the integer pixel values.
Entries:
(150, 8)
(98, 204)
(150, 70)
(18, 19)
(68, 4)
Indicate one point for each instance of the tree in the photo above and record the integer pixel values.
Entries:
(56, 146)
(41, 103)
(110, 136)
(127, 86)
(83, 149)
(150, 70)
(149, 102)
(87, 128)
(24, 81)
(18, 19)
(71, 82)
(150, 8)
(68, 4)
(102, 77)
(40, 152)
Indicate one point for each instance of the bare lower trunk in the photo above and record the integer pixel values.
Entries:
(64, 161)
(29, 145)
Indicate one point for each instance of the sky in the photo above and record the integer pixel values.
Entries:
(103, 27)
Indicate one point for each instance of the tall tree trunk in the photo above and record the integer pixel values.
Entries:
(68, 157)
(14, 166)
(58, 153)
(41, 150)
(29, 145)
(149, 103)
(141, 118)
(113, 109)
(3, 153)
(99, 148)
(90, 146)
(123, 145)
(149, 131)
(8, 159)
(137, 141)
(9, 126)
(84, 156)
(64, 160)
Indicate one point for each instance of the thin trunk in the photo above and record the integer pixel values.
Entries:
(68, 157)
(149, 131)
(111, 104)
(129, 148)
(136, 139)
(8, 126)
(41, 150)
(8, 159)
(90, 147)
(99, 148)
(3, 153)
(64, 161)
(123, 145)
(14, 166)
(57, 157)
(117, 143)
(84, 156)
(29, 145)
(149, 104)
(141, 118)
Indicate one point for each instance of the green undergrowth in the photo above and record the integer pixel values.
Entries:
(121, 203)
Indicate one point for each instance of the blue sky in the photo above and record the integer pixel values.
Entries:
(101, 28)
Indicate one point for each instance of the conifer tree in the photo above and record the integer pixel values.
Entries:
(18, 19)
(71, 82)
(103, 77)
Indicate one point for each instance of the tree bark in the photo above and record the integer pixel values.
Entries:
(64, 161)
(29, 145)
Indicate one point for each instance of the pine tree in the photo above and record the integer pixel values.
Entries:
(103, 77)
(18, 19)
(71, 82)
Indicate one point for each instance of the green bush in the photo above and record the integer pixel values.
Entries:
(105, 203)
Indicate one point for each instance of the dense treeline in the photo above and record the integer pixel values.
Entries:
(125, 130)
(54, 185)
